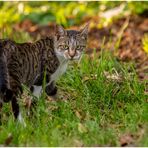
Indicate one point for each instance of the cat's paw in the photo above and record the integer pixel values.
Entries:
(21, 120)
(51, 91)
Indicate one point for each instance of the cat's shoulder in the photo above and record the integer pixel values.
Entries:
(45, 42)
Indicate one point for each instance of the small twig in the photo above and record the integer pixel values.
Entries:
(120, 33)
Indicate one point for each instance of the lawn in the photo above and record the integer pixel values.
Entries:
(100, 103)
(103, 99)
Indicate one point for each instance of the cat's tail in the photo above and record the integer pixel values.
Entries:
(4, 80)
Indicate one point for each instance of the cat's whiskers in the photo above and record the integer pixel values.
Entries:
(80, 59)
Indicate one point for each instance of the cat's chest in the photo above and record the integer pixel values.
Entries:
(60, 71)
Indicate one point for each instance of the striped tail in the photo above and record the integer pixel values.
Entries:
(3, 70)
(4, 81)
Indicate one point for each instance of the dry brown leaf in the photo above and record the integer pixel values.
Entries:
(78, 114)
(126, 140)
(8, 140)
(91, 77)
(52, 107)
(114, 76)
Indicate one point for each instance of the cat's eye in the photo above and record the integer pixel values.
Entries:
(80, 47)
(66, 47)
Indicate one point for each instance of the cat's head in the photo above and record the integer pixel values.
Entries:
(70, 44)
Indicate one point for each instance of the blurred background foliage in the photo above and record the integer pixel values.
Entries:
(65, 13)
(44, 13)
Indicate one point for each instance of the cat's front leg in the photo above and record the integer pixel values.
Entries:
(51, 89)
(1, 105)
(36, 90)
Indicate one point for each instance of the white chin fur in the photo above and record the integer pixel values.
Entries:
(74, 58)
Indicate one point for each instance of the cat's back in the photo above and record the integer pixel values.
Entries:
(9, 45)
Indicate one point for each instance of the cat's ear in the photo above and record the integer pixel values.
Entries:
(84, 31)
(60, 31)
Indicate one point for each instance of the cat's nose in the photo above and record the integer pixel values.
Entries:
(72, 53)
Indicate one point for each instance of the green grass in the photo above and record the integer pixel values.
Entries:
(93, 110)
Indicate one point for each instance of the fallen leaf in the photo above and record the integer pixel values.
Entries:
(8, 140)
(90, 77)
(82, 128)
(78, 114)
(52, 107)
(78, 143)
(126, 139)
(115, 76)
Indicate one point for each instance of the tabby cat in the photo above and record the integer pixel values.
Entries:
(25, 63)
